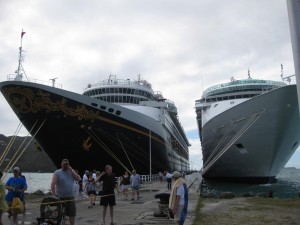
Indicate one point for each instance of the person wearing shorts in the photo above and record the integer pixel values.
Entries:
(135, 184)
(125, 181)
(62, 186)
(108, 192)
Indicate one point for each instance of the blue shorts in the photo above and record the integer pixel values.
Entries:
(135, 188)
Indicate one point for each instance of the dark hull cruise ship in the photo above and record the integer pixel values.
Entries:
(119, 122)
(248, 129)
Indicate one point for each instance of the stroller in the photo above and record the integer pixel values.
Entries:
(51, 211)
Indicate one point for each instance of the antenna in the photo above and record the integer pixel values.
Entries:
(282, 72)
(20, 71)
(53, 81)
(249, 77)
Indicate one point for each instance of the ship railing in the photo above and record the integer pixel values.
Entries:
(146, 178)
(126, 82)
(51, 82)
(243, 82)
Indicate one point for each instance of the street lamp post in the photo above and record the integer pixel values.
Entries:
(150, 150)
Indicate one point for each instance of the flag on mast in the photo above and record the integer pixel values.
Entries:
(22, 33)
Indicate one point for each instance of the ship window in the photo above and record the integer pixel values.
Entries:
(94, 104)
(123, 99)
(96, 92)
(102, 107)
(111, 110)
(100, 91)
(116, 90)
(118, 112)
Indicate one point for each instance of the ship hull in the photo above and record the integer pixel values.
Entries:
(252, 141)
(89, 132)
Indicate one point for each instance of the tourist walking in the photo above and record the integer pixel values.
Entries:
(108, 196)
(16, 186)
(91, 190)
(84, 181)
(178, 201)
(135, 184)
(76, 187)
(125, 182)
(169, 180)
(99, 185)
(62, 186)
(3, 204)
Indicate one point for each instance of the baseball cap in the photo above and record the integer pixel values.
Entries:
(65, 161)
(176, 174)
(17, 169)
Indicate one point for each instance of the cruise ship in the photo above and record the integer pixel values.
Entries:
(248, 129)
(119, 122)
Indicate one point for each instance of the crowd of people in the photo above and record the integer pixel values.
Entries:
(67, 185)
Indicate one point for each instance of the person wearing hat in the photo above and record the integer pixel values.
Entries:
(135, 184)
(62, 187)
(178, 200)
(16, 186)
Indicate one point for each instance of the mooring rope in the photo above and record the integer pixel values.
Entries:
(100, 142)
(11, 141)
(13, 162)
(125, 152)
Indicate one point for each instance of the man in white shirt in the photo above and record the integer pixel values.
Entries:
(178, 201)
(85, 178)
(169, 180)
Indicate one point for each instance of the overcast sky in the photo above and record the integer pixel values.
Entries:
(180, 47)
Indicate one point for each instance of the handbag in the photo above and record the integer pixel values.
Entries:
(17, 205)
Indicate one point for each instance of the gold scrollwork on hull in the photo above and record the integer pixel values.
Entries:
(24, 100)
(86, 145)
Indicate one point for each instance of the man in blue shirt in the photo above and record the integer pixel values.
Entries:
(135, 184)
(16, 186)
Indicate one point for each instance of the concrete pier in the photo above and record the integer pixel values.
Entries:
(127, 212)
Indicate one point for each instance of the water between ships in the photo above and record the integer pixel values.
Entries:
(287, 185)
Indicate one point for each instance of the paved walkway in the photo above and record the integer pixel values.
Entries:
(138, 212)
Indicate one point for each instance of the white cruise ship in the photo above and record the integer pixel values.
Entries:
(248, 129)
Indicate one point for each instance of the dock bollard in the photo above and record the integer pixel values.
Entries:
(163, 206)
